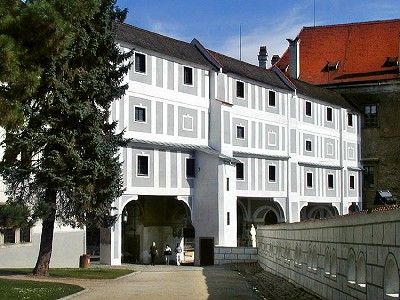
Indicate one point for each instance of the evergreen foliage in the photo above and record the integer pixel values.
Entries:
(63, 158)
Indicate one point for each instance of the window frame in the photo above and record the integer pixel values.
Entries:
(138, 165)
(308, 143)
(140, 63)
(271, 175)
(309, 178)
(238, 131)
(188, 75)
(370, 119)
(308, 110)
(329, 149)
(331, 181)
(369, 172)
(240, 89)
(25, 235)
(271, 93)
(140, 108)
(350, 121)
(329, 114)
(190, 168)
(9, 236)
(352, 182)
(240, 171)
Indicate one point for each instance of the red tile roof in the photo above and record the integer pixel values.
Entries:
(348, 52)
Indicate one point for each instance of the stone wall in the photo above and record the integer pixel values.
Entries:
(226, 255)
(348, 257)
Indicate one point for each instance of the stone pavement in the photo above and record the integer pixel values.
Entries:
(233, 281)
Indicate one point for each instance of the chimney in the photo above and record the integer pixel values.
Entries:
(294, 57)
(274, 59)
(263, 57)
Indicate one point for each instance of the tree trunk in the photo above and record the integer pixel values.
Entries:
(46, 241)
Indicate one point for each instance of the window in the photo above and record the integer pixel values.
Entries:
(240, 171)
(351, 152)
(370, 116)
(309, 180)
(25, 235)
(227, 184)
(143, 165)
(352, 182)
(350, 119)
(330, 181)
(329, 116)
(308, 108)
(228, 218)
(368, 177)
(271, 98)
(188, 122)
(188, 75)
(308, 145)
(140, 63)
(272, 173)
(9, 236)
(190, 167)
(140, 114)
(240, 89)
(240, 132)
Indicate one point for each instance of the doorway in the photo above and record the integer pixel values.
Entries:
(206, 251)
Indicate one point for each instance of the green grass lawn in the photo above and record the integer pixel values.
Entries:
(26, 289)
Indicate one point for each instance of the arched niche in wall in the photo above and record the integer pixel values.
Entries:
(361, 278)
(391, 278)
(351, 267)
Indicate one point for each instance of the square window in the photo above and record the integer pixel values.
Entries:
(308, 109)
(240, 171)
(370, 116)
(190, 167)
(330, 181)
(188, 123)
(140, 114)
(329, 115)
(143, 165)
(309, 179)
(350, 119)
(240, 132)
(368, 176)
(140, 63)
(308, 145)
(352, 182)
(9, 236)
(25, 235)
(188, 75)
(271, 98)
(272, 173)
(240, 89)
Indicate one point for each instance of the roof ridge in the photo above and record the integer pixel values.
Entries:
(354, 23)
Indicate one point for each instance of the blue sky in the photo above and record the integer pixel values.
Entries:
(217, 23)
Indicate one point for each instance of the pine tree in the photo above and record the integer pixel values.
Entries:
(63, 160)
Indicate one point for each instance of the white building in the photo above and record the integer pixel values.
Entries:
(216, 145)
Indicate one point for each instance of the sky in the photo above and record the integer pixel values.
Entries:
(238, 28)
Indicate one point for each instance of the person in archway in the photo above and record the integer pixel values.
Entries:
(153, 252)
(178, 252)
(253, 236)
(167, 254)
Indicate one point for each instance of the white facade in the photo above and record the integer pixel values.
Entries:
(293, 164)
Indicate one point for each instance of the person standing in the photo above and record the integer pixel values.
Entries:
(178, 252)
(167, 254)
(153, 252)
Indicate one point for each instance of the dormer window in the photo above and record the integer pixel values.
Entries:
(331, 66)
(391, 62)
